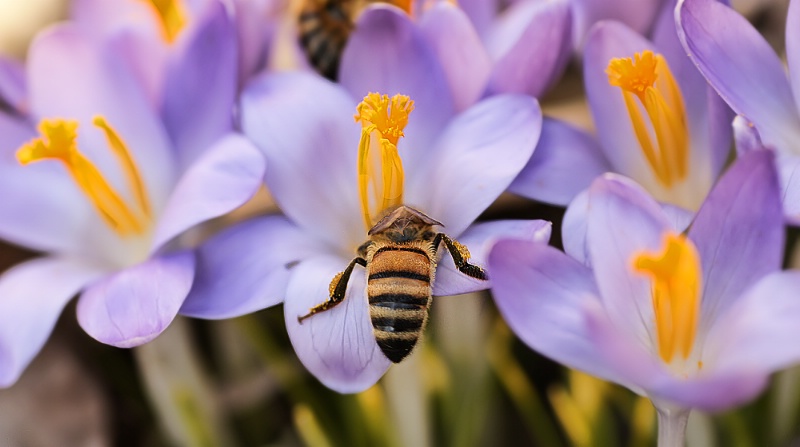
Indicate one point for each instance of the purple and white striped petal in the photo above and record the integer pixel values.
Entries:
(32, 296)
(337, 346)
(133, 306)
(565, 162)
(452, 183)
(247, 267)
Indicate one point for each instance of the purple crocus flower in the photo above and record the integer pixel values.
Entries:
(743, 68)
(695, 320)
(105, 192)
(657, 122)
(452, 171)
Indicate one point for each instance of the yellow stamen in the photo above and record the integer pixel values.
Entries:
(647, 82)
(676, 285)
(172, 16)
(379, 165)
(58, 142)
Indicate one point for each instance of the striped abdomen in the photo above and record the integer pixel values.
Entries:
(324, 27)
(399, 291)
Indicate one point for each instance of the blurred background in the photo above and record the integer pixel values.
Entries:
(239, 383)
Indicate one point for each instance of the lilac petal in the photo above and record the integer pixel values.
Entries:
(133, 306)
(637, 15)
(624, 221)
(104, 18)
(746, 136)
(679, 218)
(741, 66)
(789, 174)
(337, 346)
(542, 295)
(388, 53)
(708, 393)
(256, 22)
(201, 85)
(33, 295)
(565, 162)
(13, 88)
(456, 42)
(609, 40)
(739, 231)
(480, 12)
(531, 43)
(305, 127)
(793, 48)
(93, 80)
(574, 228)
(246, 268)
(479, 239)
(753, 336)
(452, 183)
(221, 180)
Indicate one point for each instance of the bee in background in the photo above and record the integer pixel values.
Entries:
(400, 258)
(324, 26)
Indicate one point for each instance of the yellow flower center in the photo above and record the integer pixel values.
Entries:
(380, 170)
(676, 285)
(647, 82)
(172, 16)
(58, 142)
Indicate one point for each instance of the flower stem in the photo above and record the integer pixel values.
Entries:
(672, 426)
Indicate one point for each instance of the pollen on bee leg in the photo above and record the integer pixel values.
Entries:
(380, 169)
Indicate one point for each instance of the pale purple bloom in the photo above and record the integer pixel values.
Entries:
(602, 321)
(131, 285)
(455, 166)
(743, 68)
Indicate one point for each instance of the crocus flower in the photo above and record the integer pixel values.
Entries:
(695, 320)
(305, 126)
(742, 67)
(104, 192)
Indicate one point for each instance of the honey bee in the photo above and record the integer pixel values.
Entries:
(400, 258)
(324, 26)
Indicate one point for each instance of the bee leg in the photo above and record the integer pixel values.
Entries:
(338, 288)
(460, 255)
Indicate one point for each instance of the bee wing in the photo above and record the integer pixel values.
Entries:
(336, 345)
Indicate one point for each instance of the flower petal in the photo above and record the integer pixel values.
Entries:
(789, 173)
(753, 336)
(337, 346)
(452, 183)
(746, 136)
(708, 393)
(463, 57)
(221, 180)
(739, 231)
(624, 221)
(389, 54)
(574, 228)
(637, 15)
(133, 306)
(304, 125)
(479, 239)
(32, 296)
(565, 162)
(542, 294)
(201, 85)
(530, 44)
(742, 67)
(480, 12)
(792, 48)
(246, 268)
